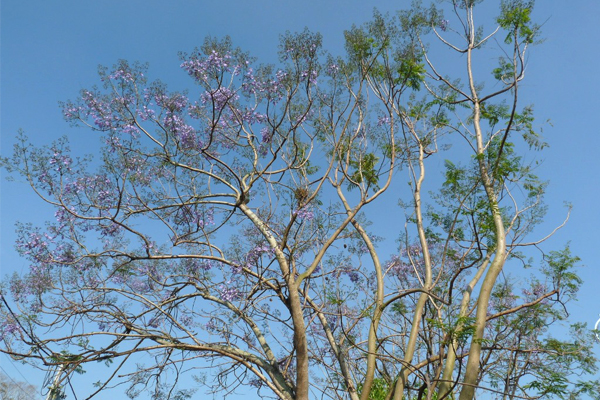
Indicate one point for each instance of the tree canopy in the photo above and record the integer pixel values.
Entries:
(283, 230)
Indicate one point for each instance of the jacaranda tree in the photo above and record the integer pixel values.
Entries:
(279, 230)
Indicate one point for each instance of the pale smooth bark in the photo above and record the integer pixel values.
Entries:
(398, 392)
(472, 371)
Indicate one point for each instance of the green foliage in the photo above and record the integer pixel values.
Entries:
(502, 156)
(411, 73)
(364, 44)
(523, 123)
(505, 71)
(399, 307)
(418, 20)
(365, 170)
(494, 113)
(564, 357)
(460, 329)
(303, 46)
(559, 268)
(379, 389)
(515, 16)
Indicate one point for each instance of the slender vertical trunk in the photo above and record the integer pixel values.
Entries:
(300, 344)
(472, 370)
(295, 307)
(372, 341)
(405, 370)
(446, 384)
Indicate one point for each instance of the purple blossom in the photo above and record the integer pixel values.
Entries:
(191, 215)
(266, 134)
(155, 322)
(114, 142)
(139, 285)
(310, 75)
(122, 74)
(72, 112)
(257, 252)
(211, 325)
(105, 326)
(272, 89)
(186, 320)
(131, 129)
(444, 24)
(99, 109)
(281, 75)
(305, 213)
(228, 292)
(399, 268)
(9, 327)
(111, 229)
(195, 267)
(174, 103)
(383, 120)
(253, 117)
(350, 272)
(186, 135)
(219, 98)
(201, 68)
(536, 290)
(145, 113)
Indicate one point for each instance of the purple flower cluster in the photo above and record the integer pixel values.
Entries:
(35, 283)
(123, 74)
(145, 113)
(228, 292)
(350, 271)
(186, 319)
(60, 162)
(33, 243)
(8, 328)
(252, 116)
(305, 213)
(311, 76)
(193, 215)
(175, 102)
(72, 112)
(195, 267)
(383, 120)
(272, 89)
(211, 326)
(266, 134)
(219, 98)
(98, 109)
(536, 290)
(257, 252)
(203, 68)
(443, 24)
(186, 135)
(303, 46)
(399, 268)
(106, 112)
(105, 326)
(98, 188)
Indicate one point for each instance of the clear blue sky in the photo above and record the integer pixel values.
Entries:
(51, 49)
